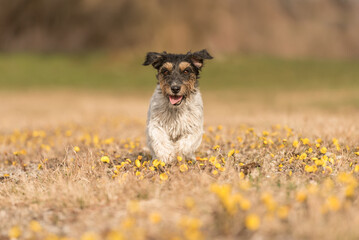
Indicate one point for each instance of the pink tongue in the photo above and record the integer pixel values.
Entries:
(175, 99)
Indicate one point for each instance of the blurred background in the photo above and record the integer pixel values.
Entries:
(288, 28)
(275, 51)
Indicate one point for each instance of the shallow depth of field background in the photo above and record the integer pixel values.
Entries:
(283, 86)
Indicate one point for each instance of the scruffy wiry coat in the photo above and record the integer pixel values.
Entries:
(173, 131)
(175, 115)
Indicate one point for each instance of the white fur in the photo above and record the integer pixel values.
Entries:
(174, 130)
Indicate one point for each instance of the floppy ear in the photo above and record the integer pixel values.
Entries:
(153, 58)
(198, 57)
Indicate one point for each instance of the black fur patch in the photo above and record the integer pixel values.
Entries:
(196, 59)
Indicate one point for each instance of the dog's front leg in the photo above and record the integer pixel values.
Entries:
(187, 145)
(160, 144)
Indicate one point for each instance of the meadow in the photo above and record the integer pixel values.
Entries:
(278, 160)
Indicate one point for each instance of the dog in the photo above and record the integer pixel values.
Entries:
(175, 114)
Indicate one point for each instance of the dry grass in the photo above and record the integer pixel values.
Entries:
(249, 169)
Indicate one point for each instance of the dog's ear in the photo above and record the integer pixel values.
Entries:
(154, 58)
(198, 57)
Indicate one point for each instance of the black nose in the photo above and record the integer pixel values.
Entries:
(175, 89)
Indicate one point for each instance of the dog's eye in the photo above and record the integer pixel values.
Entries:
(165, 72)
(186, 71)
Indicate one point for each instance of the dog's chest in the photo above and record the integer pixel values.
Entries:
(183, 123)
(177, 122)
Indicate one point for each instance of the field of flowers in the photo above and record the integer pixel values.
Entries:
(76, 166)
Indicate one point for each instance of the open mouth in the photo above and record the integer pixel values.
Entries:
(175, 100)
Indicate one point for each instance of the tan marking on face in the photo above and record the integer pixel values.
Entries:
(184, 65)
(168, 66)
(188, 87)
(165, 87)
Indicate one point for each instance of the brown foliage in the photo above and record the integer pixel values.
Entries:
(280, 27)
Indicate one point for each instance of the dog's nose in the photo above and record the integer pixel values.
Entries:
(175, 89)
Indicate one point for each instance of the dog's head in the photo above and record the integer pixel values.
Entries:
(177, 73)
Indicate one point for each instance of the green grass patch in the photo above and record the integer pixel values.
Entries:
(107, 72)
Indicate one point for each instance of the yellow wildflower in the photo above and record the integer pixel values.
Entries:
(89, 236)
(95, 140)
(349, 191)
(183, 168)
(303, 156)
(245, 204)
(215, 147)
(252, 222)
(310, 169)
(35, 226)
(346, 178)
(231, 152)
(21, 152)
(319, 162)
(14, 232)
(305, 141)
(128, 223)
(155, 217)
(163, 176)
(114, 235)
(301, 196)
(138, 163)
(105, 159)
(52, 236)
(267, 199)
(108, 141)
(76, 149)
(283, 212)
(333, 203)
(156, 162)
(179, 158)
(323, 150)
(295, 143)
(329, 169)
